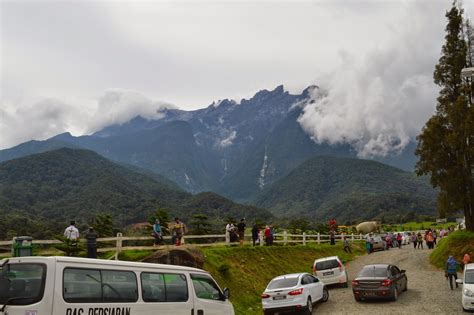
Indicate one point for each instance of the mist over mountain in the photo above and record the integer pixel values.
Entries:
(234, 148)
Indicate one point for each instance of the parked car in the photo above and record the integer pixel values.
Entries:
(293, 293)
(467, 287)
(379, 243)
(379, 281)
(330, 270)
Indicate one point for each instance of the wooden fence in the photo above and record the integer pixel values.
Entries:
(116, 244)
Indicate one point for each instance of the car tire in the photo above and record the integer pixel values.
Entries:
(267, 312)
(357, 299)
(325, 296)
(395, 295)
(309, 306)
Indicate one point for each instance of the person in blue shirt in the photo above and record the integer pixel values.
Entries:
(450, 271)
(157, 232)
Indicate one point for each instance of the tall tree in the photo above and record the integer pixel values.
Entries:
(446, 143)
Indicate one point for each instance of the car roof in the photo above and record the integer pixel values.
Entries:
(377, 266)
(326, 258)
(290, 275)
(469, 266)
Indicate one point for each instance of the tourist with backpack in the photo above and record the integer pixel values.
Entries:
(451, 271)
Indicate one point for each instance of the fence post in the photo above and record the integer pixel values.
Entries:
(285, 238)
(260, 238)
(304, 238)
(360, 236)
(182, 240)
(119, 245)
(352, 237)
(319, 238)
(227, 237)
(13, 246)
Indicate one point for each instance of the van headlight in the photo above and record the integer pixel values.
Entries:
(468, 293)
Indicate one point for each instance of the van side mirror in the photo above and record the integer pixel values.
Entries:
(226, 293)
(459, 281)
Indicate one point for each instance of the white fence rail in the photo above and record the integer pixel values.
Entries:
(218, 240)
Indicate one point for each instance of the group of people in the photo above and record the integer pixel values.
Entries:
(451, 267)
(177, 232)
(237, 232)
(71, 233)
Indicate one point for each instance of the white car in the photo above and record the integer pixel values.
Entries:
(330, 270)
(467, 287)
(295, 292)
(406, 238)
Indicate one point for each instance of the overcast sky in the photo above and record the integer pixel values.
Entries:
(81, 65)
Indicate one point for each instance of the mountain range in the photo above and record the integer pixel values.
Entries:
(236, 149)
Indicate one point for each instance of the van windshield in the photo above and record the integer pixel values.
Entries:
(22, 284)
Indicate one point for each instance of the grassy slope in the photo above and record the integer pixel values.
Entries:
(246, 271)
(456, 244)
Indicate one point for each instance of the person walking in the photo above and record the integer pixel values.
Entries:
(429, 239)
(91, 238)
(268, 235)
(399, 241)
(414, 240)
(435, 236)
(157, 233)
(255, 233)
(241, 231)
(369, 243)
(388, 241)
(420, 240)
(72, 234)
(347, 247)
(450, 271)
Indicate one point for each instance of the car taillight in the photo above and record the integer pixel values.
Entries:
(340, 265)
(265, 296)
(386, 282)
(314, 269)
(296, 292)
(355, 283)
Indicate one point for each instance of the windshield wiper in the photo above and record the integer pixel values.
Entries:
(14, 299)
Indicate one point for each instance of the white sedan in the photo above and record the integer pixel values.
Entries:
(467, 287)
(293, 292)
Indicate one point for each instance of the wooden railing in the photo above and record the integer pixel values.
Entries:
(220, 240)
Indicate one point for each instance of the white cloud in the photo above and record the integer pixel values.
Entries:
(379, 101)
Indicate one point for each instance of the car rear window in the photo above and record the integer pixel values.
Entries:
(327, 264)
(373, 272)
(282, 283)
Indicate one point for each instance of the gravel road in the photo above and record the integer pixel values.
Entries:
(428, 291)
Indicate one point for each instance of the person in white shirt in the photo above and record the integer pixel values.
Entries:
(72, 232)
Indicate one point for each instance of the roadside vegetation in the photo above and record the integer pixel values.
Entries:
(456, 245)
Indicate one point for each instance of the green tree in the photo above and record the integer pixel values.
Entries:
(200, 224)
(446, 143)
(297, 226)
(162, 215)
(104, 225)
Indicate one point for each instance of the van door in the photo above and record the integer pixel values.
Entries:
(208, 297)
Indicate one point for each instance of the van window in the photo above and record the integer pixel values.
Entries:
(22, 284)
(206, 288)
(94, 286)
(164, 287)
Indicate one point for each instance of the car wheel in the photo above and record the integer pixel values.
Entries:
(357, 298)
(395, 295)
(309, 306)
(325, 295)
(267, 312)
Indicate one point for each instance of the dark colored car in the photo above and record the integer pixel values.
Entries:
(380, 281)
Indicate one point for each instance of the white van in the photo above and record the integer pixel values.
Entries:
(81, 286)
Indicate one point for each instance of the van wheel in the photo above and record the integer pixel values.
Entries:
(325, 295)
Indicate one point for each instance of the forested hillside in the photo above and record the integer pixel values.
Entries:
(40, 193)
(348, 189)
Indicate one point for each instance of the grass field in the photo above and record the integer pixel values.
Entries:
(456, 245)
(415, 226)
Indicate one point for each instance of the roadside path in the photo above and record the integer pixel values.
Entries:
(428, 291)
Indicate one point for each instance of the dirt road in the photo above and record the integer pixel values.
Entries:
(428, 291)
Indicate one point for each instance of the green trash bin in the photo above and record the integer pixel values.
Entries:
(23, 246)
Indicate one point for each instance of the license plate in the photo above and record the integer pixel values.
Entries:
(369, 294)
(328, 273)
(279, 297)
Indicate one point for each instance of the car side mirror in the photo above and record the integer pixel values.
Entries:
(459, 281)
(403, 271)
(226, 293)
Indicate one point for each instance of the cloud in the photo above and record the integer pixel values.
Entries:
(48, 117)
(378, 101)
